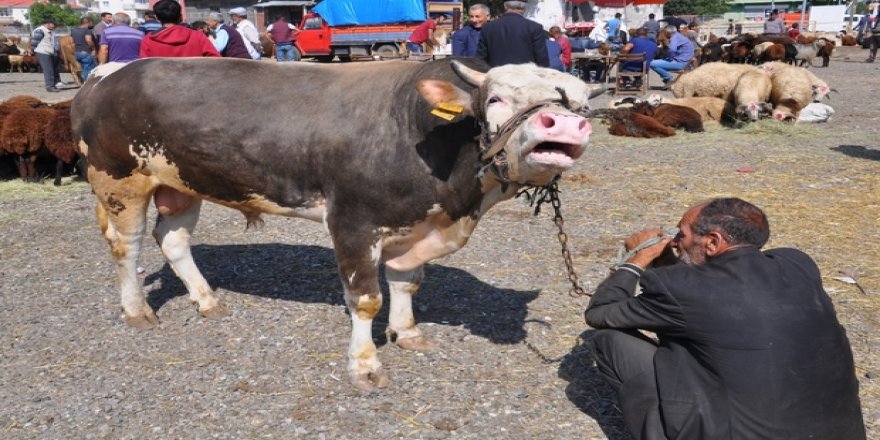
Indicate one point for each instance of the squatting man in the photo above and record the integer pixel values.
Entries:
(747, 346)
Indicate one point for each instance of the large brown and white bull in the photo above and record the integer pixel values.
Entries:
(388, 156)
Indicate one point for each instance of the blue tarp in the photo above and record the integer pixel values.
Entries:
(348, 12)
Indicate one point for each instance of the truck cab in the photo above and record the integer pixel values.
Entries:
(314, 37)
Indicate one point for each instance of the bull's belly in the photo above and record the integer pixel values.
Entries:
(164, 174)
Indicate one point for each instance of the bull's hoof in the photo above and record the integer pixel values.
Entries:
(216, 312)
(145, 321)
(416, 343)
(368, 382)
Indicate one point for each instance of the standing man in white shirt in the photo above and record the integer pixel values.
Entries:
(247, 30)
(44, 43)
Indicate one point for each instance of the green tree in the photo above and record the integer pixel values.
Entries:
(695, 7)
(62, 15)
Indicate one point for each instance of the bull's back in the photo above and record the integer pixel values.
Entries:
(286, 132)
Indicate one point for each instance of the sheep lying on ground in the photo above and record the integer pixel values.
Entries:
(712, 79)
(820, 89)
(672, 116)
(792, 90)
(626, 122)
(708, 107)
(751, 95)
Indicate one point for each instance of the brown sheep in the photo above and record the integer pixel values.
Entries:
(23, 134)
(775, 52)
(709, 108)
(825, 51)
(59, 139)
(672, 116)
(739, 53)
(848, 40)
(806, 39)
(625, 122)
(792, 91)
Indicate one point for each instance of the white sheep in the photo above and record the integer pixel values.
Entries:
(792, 90)
(710, 79)
(751, 95)
(820, 89)
(806, 52)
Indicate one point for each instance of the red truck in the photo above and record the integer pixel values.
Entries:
(320, 40)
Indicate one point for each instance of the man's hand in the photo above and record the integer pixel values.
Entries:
(646, 256)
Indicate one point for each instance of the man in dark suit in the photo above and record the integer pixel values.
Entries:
(748, 347)
(513, 39)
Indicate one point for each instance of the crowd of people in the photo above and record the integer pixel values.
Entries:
(162, 33)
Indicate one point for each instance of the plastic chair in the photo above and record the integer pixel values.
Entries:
(625, 78)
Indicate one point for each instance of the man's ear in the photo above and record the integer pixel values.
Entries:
(447, 100)
(715, 244)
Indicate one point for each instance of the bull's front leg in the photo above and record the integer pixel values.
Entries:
(358, 270)
(401, 322)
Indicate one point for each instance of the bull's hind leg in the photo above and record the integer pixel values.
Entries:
(122, 214)
(173, 233)
(401, 322)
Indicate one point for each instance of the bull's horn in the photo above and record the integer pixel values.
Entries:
(596, 92)
(469, 75)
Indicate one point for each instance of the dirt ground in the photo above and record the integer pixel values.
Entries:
(513, 360)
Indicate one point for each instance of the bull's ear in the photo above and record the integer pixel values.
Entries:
(447, 100)
(469, 75)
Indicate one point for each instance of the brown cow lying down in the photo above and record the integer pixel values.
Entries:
(394, 192)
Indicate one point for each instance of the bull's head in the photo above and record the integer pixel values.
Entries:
(531, 116)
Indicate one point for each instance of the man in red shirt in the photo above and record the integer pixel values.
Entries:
(424, 32)
(175, 40)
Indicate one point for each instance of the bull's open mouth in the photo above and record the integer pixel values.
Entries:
(554, 153)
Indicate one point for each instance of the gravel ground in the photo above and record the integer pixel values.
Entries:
(512, 360)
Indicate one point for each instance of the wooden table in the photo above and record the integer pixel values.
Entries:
(580, 59)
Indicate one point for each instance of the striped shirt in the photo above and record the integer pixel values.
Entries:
(123, 43)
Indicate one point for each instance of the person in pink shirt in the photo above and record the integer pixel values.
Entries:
(562, 39)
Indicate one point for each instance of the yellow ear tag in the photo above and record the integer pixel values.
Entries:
(450, 108)
(447, 111)
(441, 114)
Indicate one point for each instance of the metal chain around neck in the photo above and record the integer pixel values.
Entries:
(550, 193)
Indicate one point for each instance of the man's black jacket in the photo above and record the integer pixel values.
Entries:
(749, 346)
(513, 39)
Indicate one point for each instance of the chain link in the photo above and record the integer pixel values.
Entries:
(576, 289)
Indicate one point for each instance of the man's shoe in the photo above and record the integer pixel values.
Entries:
(59, 85)
(52, 89)
(869, 60)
